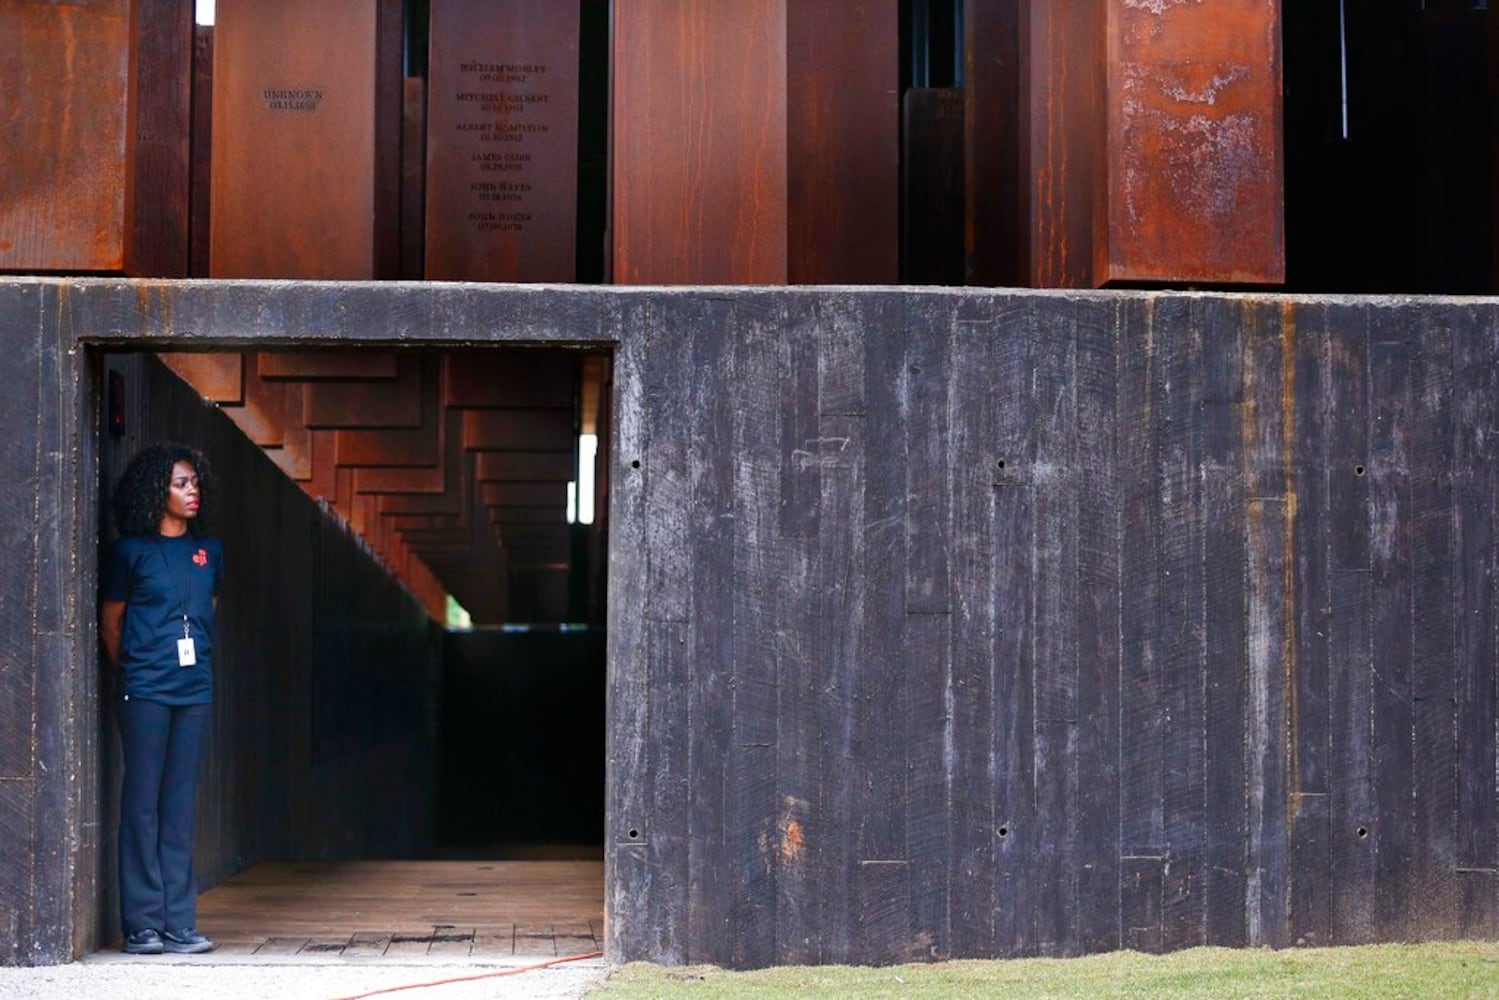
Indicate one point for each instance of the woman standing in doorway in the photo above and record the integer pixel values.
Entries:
(158, 592)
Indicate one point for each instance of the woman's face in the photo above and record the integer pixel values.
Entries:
(182, 492)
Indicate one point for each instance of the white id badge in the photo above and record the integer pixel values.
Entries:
(187, 656)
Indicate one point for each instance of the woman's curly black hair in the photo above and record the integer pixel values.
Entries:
(140, 497)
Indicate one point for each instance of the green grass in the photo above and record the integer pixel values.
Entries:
(1376, 972)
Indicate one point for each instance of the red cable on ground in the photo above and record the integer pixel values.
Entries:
(482, 975)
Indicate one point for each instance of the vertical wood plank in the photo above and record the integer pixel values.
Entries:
(927, 662)
(924, 384)
(881, 700)
(667, 834)
(703, 540)
(1475, 376)
(1433, 642)
(1000, 674)
(929, 521)
(758, 622)
(803, 824)
(1305, 435)
(836, 642)
(1181, 618)
(969, 881)
(1390, 616)
(1098, 584)
(1351, 790)
(1271, 624)
(1225, 611)
(1054, 641)
(1141, 723)
(1265, 889)
(643, 907)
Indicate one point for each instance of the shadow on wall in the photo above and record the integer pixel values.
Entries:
(326, 668)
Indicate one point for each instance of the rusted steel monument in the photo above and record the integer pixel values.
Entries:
(1139, 588)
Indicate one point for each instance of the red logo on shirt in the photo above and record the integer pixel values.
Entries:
(201, 558)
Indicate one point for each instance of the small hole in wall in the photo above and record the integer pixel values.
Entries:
(634, 834)
(1001, 463)
(635, 464)
(1363, 831)
(1004, 831)
(1358, 470)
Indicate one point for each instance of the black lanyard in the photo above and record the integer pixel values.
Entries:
(172, 578)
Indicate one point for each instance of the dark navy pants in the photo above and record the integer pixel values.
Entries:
(163, 745)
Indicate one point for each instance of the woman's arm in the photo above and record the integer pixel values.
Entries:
(111, 619)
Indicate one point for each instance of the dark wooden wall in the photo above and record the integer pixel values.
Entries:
(1014, 624)
(947, 623)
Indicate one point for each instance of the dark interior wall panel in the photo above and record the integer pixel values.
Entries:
(944, 623)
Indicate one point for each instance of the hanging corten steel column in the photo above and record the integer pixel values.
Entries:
(301, 177)
(755, 142)
(502, 141)
(1149, 143)
(64, 147)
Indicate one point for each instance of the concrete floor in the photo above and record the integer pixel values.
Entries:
(122, 977)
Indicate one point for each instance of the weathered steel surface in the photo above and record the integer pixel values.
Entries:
(295, 190)
(502, 141)
(1194, 156)
(161, 137)
(699, 132)
(843, 142)
(64, 138)
(1064, 172)
(943, 622)
(1146, 147)
(201, 152)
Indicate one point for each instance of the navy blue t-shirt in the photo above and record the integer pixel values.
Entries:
(160, 579)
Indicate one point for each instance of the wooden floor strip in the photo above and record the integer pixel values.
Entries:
(402, 909)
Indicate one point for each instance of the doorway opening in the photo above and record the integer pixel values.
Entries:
(409, 671)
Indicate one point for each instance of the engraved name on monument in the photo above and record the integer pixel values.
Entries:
(502, 147)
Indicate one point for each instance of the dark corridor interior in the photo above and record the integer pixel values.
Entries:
(1390, 136)
(411, 653)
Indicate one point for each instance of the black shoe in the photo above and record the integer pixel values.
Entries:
(185, 942)
(146, 942)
